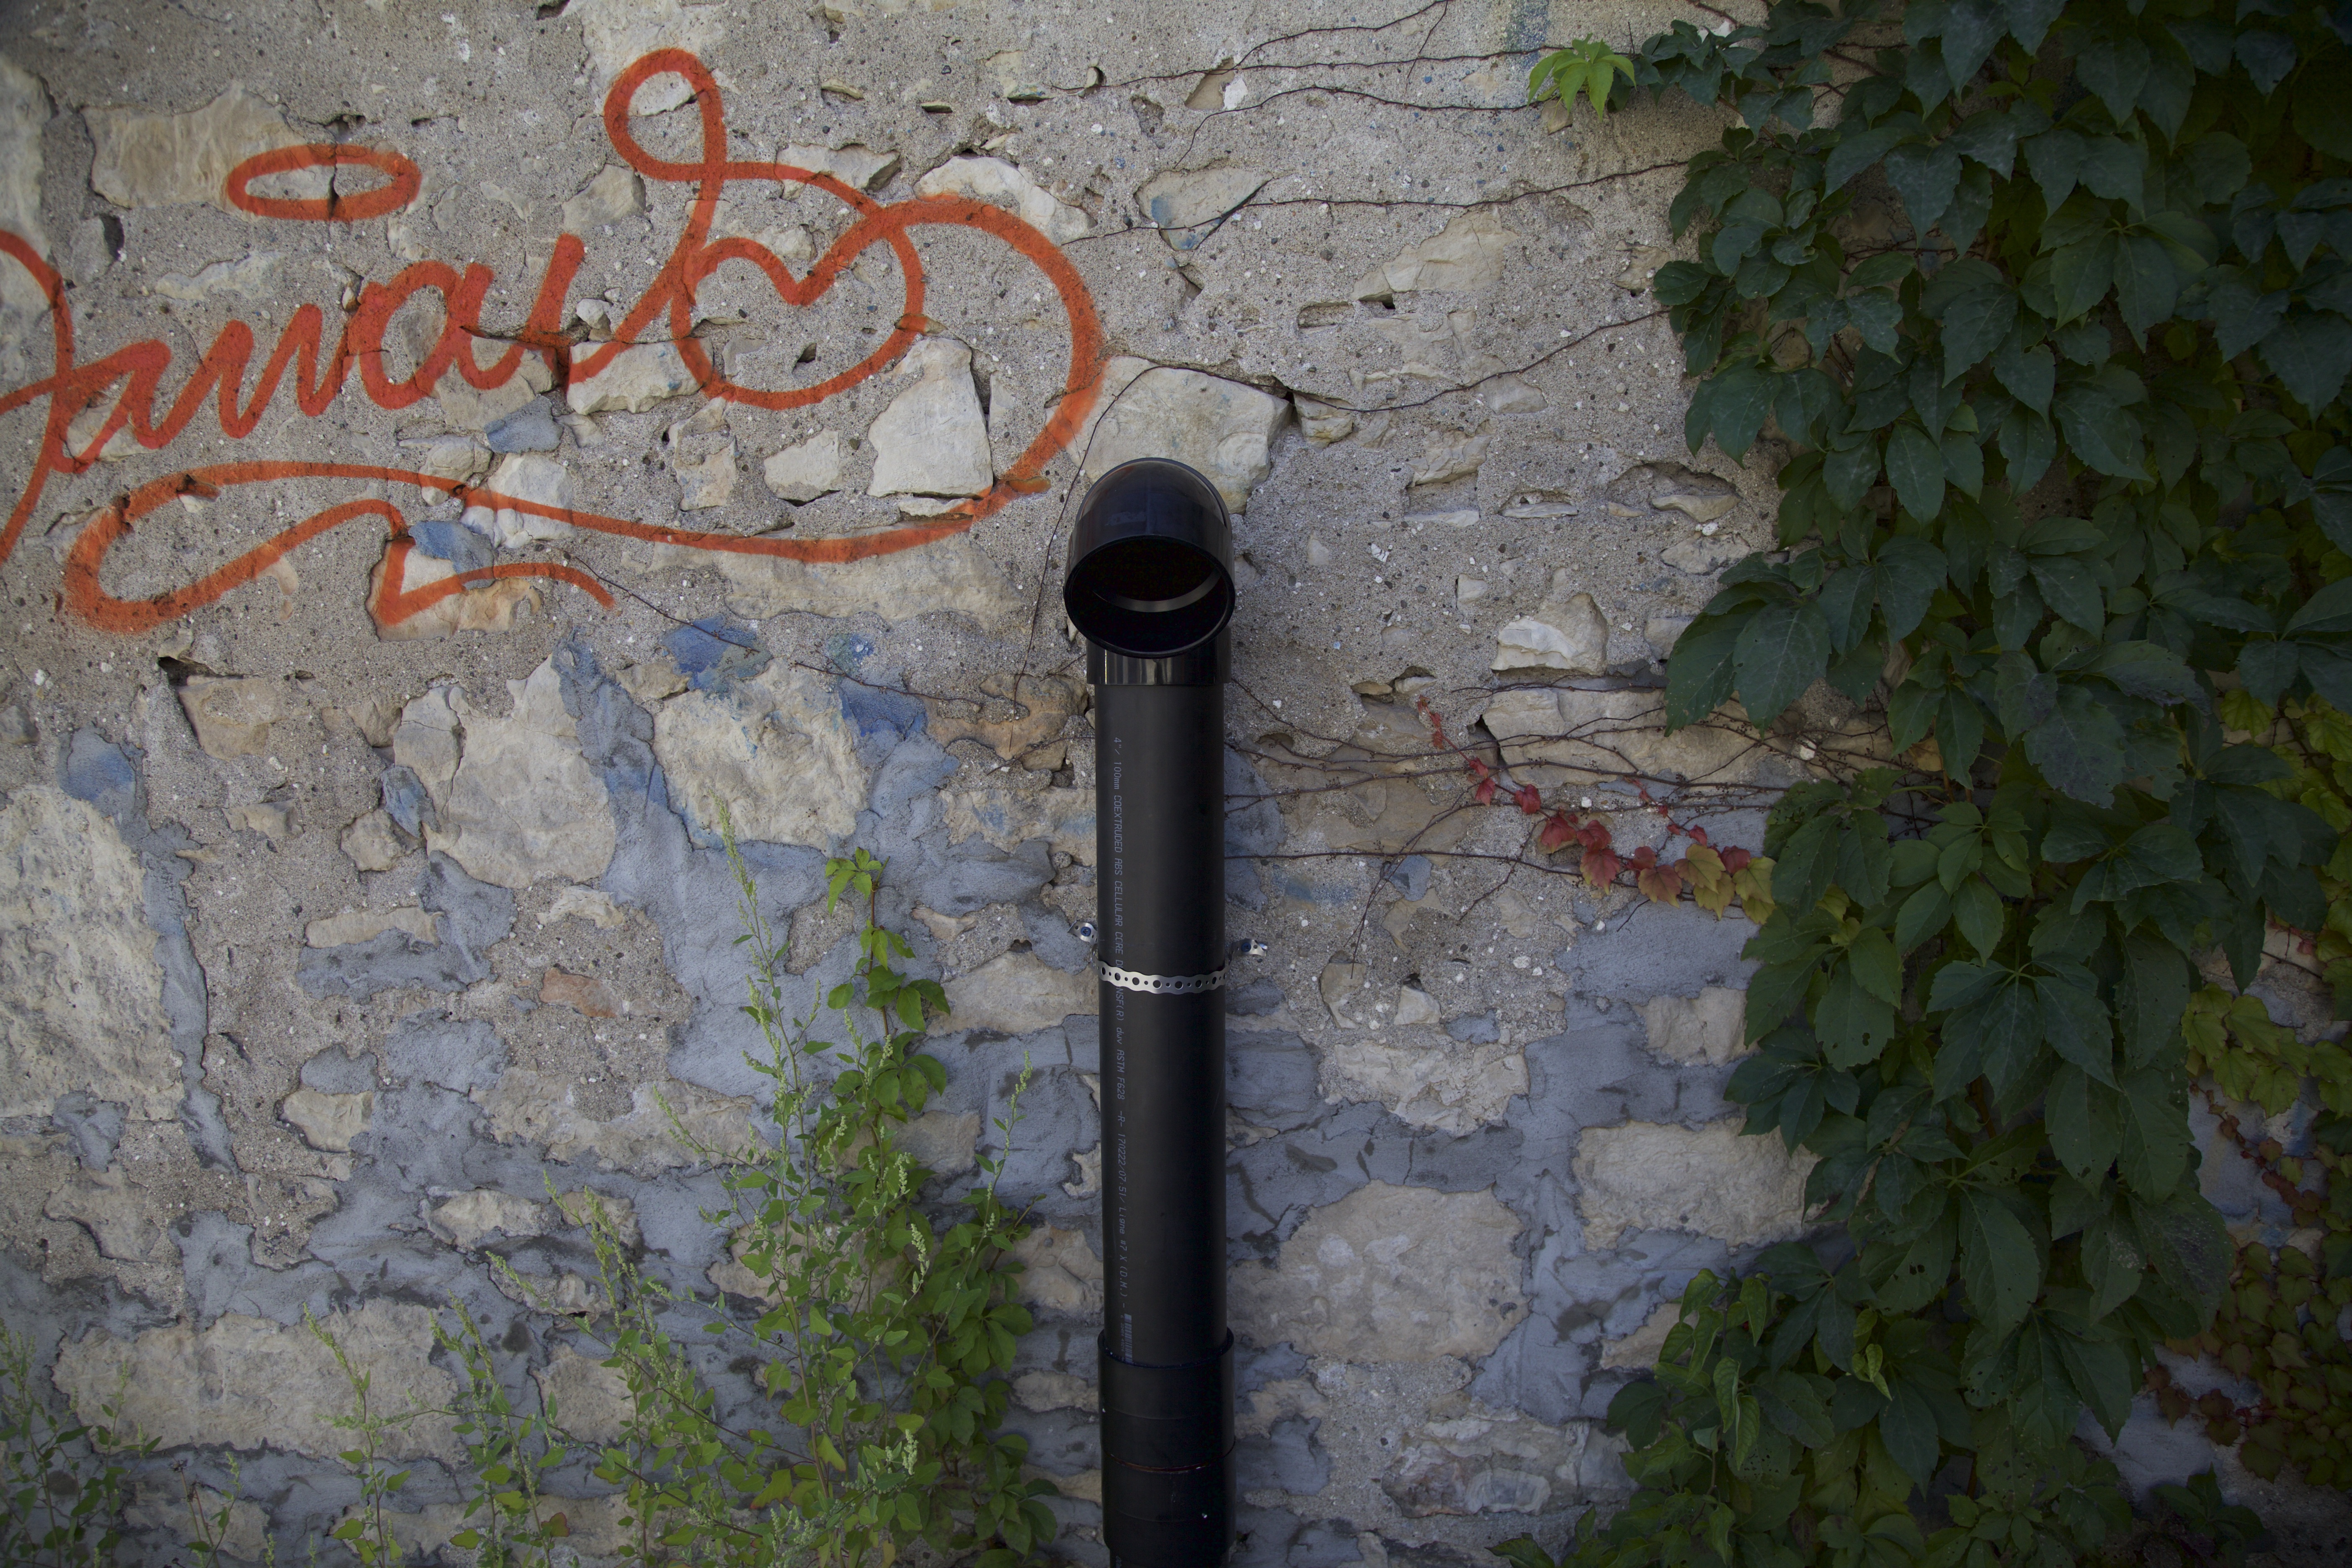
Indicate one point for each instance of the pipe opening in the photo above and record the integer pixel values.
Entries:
(1149, 595)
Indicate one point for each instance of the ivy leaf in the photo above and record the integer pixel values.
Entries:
(1914, 466)
(2310, 351)
(1875, 965)
(1734, 404)
(1856, 153)
(1700, 672)
(2267, 57)
(1925, 176)
(1999, 1266)
(2068, 587)
(2113, 168)
(2076, 1026)
(1923, 914)
(2189, 1246)
(1989, 139)
(1971, 28)
(2030, 20)
(1974, 325)
(1854, 1026)
(2102, 1374)
(1910, 569)
(2326, 613)
(1849, 471)
(2027, 374)
(2080, 274)
(1977, 909)
(2084, 1132)
(1678, 283)
(2241, 313)
(2079, 748)
(2144, 669)
(2114, 70)
(1876, 315)
(1908, 1428)
(2156, 1148)
(2325, 119)
(2099, 431)
(2056, 159)
(1846, 599)
(2028, 445)
(2147, 284)
(1781, 650)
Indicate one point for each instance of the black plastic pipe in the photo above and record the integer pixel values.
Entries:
(1150, 584)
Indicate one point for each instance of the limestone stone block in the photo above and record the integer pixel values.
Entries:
(583, 994)
(853, 163)
(1707, 1181)
(1573, 736)
(521, 477)
(465, 406)
(126, 1221)
(141, 159)
(591, 904)
(1015, 993)
(1468, 1457)
(1014, 713)
(481, 607)
(1003, 185)
(328, 1122)
(473, 1218)
(775, 752)
(1061, 1273)
(1007, 819)
(618, 31)
(1448, 459)
(232, 714)
(247, 1383)
(24, 110)
(706, 482)
(586, 1397)
(251, 277)
(1321, 423)
(942, 1141)
(581, 1208)
(372, 842)
(1641, 264)
(1642, 1348)
(517, 803)
(1186, 199)
(1046, 1390)
(952, 574)
(1389, 1274)
(932, 439)
(1566, 632)
(1425, 1077)
(1708, 1029)
(633, 379)
(1465, 256)
(1648, 487)
(805, 469)
(81, 993)
(612, 192)
(365, 925)
(526, 1106)
(1220, 428)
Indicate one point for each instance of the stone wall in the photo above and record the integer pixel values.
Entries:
(366, 715)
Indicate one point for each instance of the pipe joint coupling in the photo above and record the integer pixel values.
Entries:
(1161, 984)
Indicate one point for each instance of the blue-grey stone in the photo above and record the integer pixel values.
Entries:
(1475, 1029)
(1277, 1538)
(452, 541)
(1254, 1000)
(1411, 875)
(96, 771)
(714, 652)
(1287, 1459)
(431, 1048)
(95, 1126)
(1270, 1079)
(531, 428)
(405, 800)
(331, 1072)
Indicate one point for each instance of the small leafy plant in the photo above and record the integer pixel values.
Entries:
(1588, 65)
(61, 1501)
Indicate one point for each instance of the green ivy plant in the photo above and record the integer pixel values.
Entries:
(2044, 305)
(882, 1347)
(62, 1498)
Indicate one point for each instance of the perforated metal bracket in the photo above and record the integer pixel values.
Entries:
(1160, 985)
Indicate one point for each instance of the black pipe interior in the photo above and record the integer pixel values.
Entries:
(1150, 585)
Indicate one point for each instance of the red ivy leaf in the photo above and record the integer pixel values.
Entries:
(1593, 834)
(1660, 884)
(1698, 834)
(1735, 859)
(1485, 790)
(1601, 867)
(1645, 857)
(1529, 801)
(1556, 833)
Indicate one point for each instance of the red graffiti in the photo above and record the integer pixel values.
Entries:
(317, 375)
